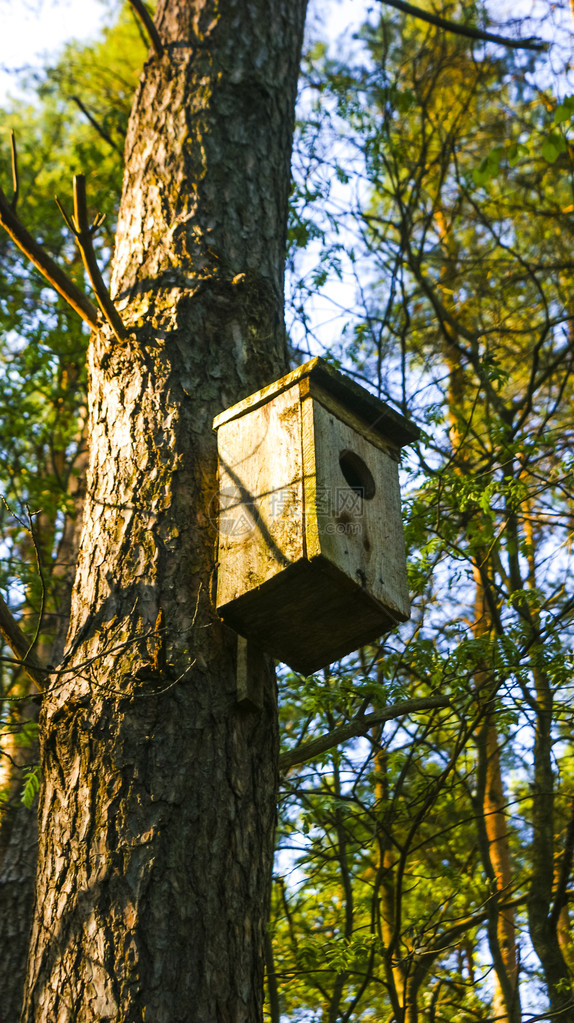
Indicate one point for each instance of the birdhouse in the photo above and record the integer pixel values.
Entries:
(312, 559)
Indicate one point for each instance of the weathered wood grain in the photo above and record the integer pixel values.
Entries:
(312, 559)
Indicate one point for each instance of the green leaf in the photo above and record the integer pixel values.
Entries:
(553, 145)
(565, 110)
(31, 785)
(28, 734)
(561, 114)
(515, 152)
(488, 167)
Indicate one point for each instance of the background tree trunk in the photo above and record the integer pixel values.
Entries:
(158, 803)
(18, 823)
(17, 872)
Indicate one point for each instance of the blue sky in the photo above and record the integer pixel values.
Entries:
(34, 29)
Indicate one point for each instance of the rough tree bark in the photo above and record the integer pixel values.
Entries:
(158, 802)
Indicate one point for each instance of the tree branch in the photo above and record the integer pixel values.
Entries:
(561, 896)
(95, 124)
(447, 940)
(83, 234)
(359, 726)
(146, 19)
(20, 646)
(15, 183)
(49, 269)
(466, 30)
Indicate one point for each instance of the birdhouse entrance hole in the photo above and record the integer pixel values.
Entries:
(357, 474)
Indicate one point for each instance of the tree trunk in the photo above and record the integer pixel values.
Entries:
(495, 852)
(386, 870)
(493, 831)
(543, 926)
(19, 841)
(543, 921)
(157, 808)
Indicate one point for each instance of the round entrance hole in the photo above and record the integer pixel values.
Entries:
(357, 474)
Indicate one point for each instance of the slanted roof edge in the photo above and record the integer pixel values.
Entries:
(379, 416)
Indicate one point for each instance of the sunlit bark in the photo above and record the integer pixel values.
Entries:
(158, 806)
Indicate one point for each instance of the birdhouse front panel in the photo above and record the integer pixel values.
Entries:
(353, 509)
(311, 553)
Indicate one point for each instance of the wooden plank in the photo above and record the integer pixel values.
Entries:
(312, 543)
(261, 495)
(378, 417)
(249, 675)
(265, 394)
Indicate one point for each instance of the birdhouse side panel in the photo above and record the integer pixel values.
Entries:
(261, 496)
(358, 511)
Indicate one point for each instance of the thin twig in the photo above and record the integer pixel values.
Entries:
(83, 233)
(95, 124)
(466, 30)
(50, 270)
(15, 184)
(68, 220)
(42, 584)
(146, 19)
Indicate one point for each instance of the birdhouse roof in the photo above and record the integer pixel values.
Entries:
(320, 377)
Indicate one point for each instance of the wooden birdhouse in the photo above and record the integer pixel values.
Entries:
(311, 551)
